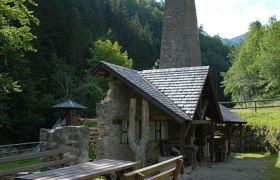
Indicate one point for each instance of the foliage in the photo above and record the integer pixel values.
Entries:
(111, 52)
(59, 70)
(255, 64)
(15, 35)
(214, 54)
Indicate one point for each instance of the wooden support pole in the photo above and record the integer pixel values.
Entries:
(182, 138)
(182, 142)
(229, 128)
(241, 137)
(211, 127)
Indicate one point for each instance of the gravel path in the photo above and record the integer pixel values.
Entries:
(235, 169)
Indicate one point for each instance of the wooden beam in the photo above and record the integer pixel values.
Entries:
(160, 118)
(241, 136)
(229, 128)
(211, 127)
(201, 122)
(203, 109)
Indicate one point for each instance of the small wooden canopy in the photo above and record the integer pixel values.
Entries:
(69, 105)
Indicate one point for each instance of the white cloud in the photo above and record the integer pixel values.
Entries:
(230, 18)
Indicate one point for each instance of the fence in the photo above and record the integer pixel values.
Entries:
(12, 149)
(252, 104)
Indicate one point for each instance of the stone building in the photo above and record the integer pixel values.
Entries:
(179, 99)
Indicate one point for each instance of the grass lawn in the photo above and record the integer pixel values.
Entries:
(274, 167)
(273, 171)
(5, 166)
(268, 116)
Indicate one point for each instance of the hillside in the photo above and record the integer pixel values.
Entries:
(235, 40)
(64, 43)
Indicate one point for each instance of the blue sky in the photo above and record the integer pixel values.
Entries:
(231, 18)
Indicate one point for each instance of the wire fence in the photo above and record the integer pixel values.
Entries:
(252, 104)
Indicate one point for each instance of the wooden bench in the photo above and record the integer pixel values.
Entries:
(168, 168)
(61, 161)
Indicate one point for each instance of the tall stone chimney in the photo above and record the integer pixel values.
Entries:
(180, 41)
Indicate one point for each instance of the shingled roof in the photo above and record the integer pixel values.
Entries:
(183, 86)
(176, 91)
(230, 117)
(69, 105)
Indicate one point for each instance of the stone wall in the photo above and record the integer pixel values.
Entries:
(112, 121)
(256, 139)
(262, 139)
(66, 136)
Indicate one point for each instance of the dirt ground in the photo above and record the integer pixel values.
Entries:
(234, 169)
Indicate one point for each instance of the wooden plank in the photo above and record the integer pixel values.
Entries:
(153, 168)
(178, 168)
(163, 174)
(160, 118)
(85, 170)
(34, 155)
(201, 122)
(37, 166)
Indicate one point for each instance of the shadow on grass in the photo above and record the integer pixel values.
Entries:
(273, 171)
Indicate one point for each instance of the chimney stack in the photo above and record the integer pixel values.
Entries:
(180, 40)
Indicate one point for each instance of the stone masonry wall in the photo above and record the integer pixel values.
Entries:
(256, 139)
(66, 136)
(112, 113)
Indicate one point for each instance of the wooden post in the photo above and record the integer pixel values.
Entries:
(229, 128)
(211, 127)
(241, 137)
(139, 148)
(182, 142)
(145, 129)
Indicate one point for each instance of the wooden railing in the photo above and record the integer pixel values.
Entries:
(251, 104)
(61, 161)
(12, 149)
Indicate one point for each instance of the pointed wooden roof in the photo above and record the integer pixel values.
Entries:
(230, 117)
(69, 105)
(176, 91)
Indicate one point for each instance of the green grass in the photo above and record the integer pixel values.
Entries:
(274, 167)
(273, 170)
(11, 165)
(268, 116)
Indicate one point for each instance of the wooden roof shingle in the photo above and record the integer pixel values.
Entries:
(182, 86)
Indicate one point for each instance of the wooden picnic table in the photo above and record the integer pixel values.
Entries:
(88, 170)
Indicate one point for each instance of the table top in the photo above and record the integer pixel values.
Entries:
(83, 171)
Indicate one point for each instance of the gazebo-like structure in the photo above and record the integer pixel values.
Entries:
(70, 111)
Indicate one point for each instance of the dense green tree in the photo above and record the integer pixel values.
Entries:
(269, 62)
(214, 54)
(255, 64)
(15, 40)
(109, 51)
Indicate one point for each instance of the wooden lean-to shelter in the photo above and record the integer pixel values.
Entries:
(183, 99)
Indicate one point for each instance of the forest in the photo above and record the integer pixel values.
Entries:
(48, 47)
